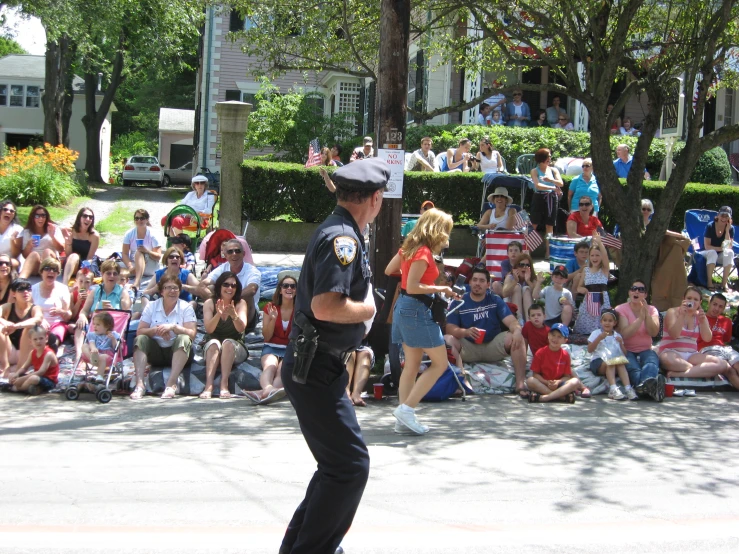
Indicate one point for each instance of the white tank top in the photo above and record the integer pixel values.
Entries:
(498, 223)
(489, 165)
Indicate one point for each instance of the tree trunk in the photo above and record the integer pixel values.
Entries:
(58, 62)
(391, 100)
(95, 115)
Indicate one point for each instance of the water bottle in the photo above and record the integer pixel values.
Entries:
(728, 250)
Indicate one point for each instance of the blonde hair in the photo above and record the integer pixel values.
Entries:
(432, 230)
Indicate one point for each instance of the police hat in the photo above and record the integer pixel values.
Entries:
(366, 175)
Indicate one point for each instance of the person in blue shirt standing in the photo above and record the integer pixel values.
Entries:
(476, 329)
(623, 161)
(584, 185)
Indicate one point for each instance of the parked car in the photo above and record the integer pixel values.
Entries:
(142, 169)
(179, 176)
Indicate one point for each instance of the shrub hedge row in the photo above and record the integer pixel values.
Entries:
(511, 142)
(276, 189)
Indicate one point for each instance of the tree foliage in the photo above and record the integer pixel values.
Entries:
(288, 122)
(9, 46)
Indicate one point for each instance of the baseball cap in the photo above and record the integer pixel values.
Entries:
(561, 270)
(427, 204)
(724, 210)
(562, 328)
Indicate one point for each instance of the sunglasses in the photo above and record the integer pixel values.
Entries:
(4, 264)
(584, 205)
(88, 216)
(23, 289)
(50, 269)
(229, 285)
(524, 265)
(174, 257)
(289, 286)
(562, 119)
(516, 94)
(646, 210)
(234, 251)
(40, 216)
(586, 165)
(9, 210)
(140, 218)
(638, 289)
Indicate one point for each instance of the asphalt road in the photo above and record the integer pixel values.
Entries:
(494, 475)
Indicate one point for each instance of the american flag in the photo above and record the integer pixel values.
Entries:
(533, 239)
(314, 153)
(593, 302)
(609, 240)
(496, 248)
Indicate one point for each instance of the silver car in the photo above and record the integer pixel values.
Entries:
(180, 176)
(142, 169)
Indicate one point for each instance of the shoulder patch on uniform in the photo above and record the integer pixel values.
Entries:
(345, 249)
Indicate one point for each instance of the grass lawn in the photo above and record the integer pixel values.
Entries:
(58, 213)
(117, 222)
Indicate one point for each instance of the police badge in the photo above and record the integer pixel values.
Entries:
(345, 249)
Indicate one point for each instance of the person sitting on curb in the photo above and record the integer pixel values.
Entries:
(164, 337)
(475, 330)
(558, 301)
(423, 158)
(248, 275)
(721, 330)
(552, 367)
(45, 373)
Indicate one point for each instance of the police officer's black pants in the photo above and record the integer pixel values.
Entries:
(329, 425)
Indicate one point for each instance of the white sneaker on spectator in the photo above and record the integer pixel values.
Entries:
(631, 393)
(616, 394)
(408, 418)
(401, 429)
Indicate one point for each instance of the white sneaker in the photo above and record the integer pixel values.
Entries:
(401, 429)
(631, 394)
(616, 394)
(408, 419)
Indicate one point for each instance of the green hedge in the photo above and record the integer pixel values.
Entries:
(275, 189)
(511, 142)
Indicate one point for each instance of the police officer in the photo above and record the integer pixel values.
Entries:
(335, 303)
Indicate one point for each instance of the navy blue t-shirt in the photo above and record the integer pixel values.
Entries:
(487, 314)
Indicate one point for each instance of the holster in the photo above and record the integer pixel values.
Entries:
(305, 348)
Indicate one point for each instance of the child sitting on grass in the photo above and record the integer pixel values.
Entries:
(557, 299)
(535, 331)
(45, 372)
(99, 348)
(552, 367)
(609, 356)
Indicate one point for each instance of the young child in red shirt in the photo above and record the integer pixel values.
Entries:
(535, 332)
(45, 366)
(552, 379)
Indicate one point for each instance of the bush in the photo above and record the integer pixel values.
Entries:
(273, 189)
(133, 144)
(712, 167)
(44, 175)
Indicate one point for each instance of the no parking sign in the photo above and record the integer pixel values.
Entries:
(396, 160)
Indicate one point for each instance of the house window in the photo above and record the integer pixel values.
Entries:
(32, 97)
(349, 97)
(233, 95)
(16, 95)
(3, 95)
(237, 22)
(317, 102)
(250, 98)
(416, 74)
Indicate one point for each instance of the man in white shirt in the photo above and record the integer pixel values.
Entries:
(248, 275)
(423, 158)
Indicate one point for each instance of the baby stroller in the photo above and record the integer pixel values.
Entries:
(103, 392)
(210, 248)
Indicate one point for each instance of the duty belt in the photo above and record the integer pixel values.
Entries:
(326, 348)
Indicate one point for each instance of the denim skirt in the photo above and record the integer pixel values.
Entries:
(413, 324)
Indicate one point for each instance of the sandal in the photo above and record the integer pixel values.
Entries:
(253, 396)
(534, 397)
(585, 393)
(138, 393)
(524, 393)
(169, 392)
(224, 395)
(205, 395)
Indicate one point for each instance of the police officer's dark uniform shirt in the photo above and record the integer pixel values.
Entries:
(335, 261)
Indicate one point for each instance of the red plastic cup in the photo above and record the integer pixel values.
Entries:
(669, 390)
(480, 336)
(378, 391)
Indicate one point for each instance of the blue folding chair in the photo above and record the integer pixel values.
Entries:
(695, 223)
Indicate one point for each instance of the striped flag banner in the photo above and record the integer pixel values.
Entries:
(610, 241)
(496, 248)
(314, 153)
(593, 302)
(533, 240)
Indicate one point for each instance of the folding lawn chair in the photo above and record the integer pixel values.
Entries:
(695, 223)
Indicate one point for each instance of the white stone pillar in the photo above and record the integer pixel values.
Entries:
(232, 121)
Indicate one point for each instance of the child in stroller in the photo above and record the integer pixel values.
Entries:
(100, 345)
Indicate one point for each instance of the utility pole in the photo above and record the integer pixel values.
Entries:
(390, 106)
